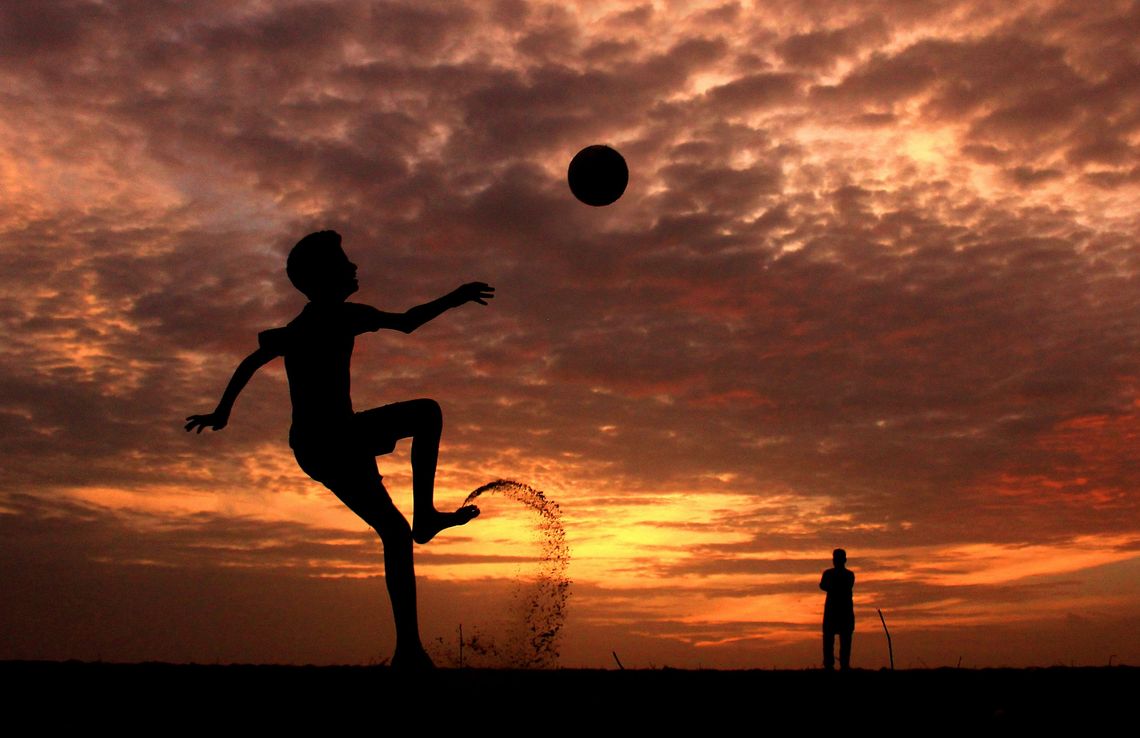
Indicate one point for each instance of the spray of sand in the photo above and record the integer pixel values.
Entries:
(543, 602)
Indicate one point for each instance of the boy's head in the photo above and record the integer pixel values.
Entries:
(839, 557)
(318, 267)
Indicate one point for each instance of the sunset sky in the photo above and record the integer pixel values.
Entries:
(873, 284)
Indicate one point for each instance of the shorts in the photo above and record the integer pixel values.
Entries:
(347, 453)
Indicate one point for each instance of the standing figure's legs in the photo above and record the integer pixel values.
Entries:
(845, 650)
(422, 420)
(829, 650)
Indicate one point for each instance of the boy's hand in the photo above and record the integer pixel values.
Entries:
(214, 420)
(478, 292)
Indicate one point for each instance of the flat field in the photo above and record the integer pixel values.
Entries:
(150, 697)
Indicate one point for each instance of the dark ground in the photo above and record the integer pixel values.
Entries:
(150, 697)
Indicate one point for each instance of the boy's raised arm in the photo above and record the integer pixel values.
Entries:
(221, 415)
(408, 321)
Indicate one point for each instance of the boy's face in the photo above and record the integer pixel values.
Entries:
(337, 276)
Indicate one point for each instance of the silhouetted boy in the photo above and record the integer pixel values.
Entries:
(337, 446)
(838, 611)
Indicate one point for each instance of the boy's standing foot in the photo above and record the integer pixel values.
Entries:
(412, 661)
(426, 525)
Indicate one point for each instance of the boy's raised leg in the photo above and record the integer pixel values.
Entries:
(424, 419)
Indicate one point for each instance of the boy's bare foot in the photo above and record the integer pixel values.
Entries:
(412, 661)
(426, 526)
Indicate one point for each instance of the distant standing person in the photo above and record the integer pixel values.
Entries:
(838, 611)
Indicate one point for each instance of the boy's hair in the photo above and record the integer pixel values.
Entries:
(307, 259)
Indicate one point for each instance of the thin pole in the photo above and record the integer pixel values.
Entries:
(890, 649)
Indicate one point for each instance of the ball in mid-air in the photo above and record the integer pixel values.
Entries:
(598, 175)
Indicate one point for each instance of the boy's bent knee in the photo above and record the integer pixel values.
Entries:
(430, 412)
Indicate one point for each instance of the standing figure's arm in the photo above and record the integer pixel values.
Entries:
(824, 581)
(412, 319)
(221, 415)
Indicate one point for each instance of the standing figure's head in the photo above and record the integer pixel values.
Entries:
(839, 558)
(318, 267)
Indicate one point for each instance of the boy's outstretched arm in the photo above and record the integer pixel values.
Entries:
(221, 415)
(408, 321)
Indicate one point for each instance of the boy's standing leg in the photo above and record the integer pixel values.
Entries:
(365, 495)
(400, 578)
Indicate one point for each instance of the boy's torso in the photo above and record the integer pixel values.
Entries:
(317, 346)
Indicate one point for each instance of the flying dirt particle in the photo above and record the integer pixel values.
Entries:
(544, 603)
